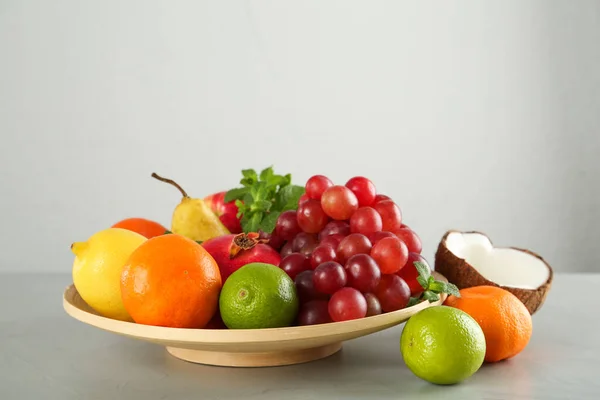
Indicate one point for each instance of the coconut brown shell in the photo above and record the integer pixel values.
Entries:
(464, 275)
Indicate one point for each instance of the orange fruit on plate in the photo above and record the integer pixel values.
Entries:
(144, 227)
(171, 281)
(504, 319)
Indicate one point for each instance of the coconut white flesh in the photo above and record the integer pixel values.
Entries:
(503, 266)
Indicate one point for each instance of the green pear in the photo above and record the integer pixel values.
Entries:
(193, 218)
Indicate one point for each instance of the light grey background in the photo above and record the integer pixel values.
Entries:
(470, 114)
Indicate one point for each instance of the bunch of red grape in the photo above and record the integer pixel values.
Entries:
(348, 252)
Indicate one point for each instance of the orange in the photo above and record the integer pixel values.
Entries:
(504, 319)
(144, 227)
(171, 281)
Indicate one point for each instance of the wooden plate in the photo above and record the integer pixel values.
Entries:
(246, 347)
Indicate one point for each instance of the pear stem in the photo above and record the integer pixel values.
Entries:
(171, 182)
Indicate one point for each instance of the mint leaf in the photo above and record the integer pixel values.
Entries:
(423, 282)
(235, 194)
(268, 224)
(413, 301)
(422, 269)
(430, 296)
(261, 205)
(250, 175)
(247, 200)
(263, 197)
(452, 289)
(254, 222)
(438, 287)
(287, 180)
(288, 197)
(266, 173)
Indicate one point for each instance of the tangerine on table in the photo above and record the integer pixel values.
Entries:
(504, 319)
(171, 281)
(144, 227)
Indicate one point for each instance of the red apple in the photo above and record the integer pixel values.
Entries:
(225, 211)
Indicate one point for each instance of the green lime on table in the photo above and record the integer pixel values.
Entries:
(258, 296)
(442, 345)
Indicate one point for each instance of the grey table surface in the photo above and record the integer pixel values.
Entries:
(45, 354)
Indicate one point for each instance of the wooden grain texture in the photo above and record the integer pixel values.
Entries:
(243, 347)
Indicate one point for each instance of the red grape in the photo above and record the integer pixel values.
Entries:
(314, 312)
(332, 241)
(322, 254)
(276, 241)
(364, 190)
(377, 236)
(303, 198)
(311, 217)
(316, 185)
(363, 272)
(393, 293)
(339, 202)
(302, 240)
(286, 250)
(306, 289)
(373, 306)
(390, 254)
(294, 264)
(409, 273)
(346, 304)
(378, 198)
(411, 239)
(287, 225)
(391, 216)
(308, 249)
(333, 228)
(355, 243)
(329, 277)
(365, 220)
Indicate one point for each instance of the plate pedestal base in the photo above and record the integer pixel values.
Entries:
(269, 359)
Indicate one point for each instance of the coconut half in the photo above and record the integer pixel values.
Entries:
(470, 259)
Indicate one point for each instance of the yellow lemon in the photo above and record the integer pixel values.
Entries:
(97, 269)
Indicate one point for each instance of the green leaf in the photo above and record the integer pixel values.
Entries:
(247, 200)
(261, 205)
(260, 191)
(288, 197)
(287, 180)
(235, 194)
(437, 287)
(268, 224)
(413, 301)
(250, 174)
(430, 296)
(423, 269)
(266, 173)
(276, 180)
(167, 232)
(452, 289)
(253, 223)
(263, 197)
(423, 282)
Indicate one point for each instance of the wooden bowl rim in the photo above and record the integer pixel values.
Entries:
(231, 336)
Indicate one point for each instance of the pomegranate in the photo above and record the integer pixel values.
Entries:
(231, 252)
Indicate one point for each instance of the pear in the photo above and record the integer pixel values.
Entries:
(193, 218)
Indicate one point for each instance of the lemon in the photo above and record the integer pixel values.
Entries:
(97, 269)
(442, 345)
(258, 295)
